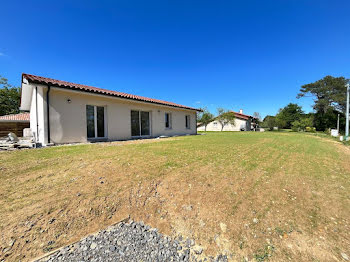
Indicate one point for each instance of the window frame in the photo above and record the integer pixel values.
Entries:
(188, 122)
(170, 120)
(140, 126)
(95, 122)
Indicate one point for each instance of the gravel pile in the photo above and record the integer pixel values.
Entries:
(132, 241)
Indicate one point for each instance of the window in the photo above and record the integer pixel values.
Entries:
(188, 122)
(95, 121)
(140, 123)
(168, 120)
(100, 121)
(215, 124)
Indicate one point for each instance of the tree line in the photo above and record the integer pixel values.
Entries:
(10, 98)
(329, 94)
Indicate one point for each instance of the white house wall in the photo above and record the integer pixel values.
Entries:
(68, 120)
(37, 113)
(33, 120)
(216, 126)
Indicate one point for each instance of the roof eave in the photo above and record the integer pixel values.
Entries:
(106, 94)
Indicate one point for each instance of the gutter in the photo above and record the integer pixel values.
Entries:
(48, 114)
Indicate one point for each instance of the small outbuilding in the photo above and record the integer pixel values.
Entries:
(14, 123)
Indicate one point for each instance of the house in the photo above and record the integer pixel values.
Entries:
(64, 112)
(14, 123)
(242, 123)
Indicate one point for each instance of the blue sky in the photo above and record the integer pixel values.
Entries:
(253, 55)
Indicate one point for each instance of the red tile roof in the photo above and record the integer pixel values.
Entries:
(242, 116)
(15, 117)
(79, 87)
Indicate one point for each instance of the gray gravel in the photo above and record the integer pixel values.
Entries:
(132, 241)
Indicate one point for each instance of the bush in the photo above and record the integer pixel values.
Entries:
(296, 126)
(269, 122)
(304, 124)
(310, 129)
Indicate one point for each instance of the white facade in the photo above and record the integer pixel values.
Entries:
(240, 124)
(68, 115)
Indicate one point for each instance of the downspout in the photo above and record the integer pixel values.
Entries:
(196, 124)
(36, 113)
(48, 114)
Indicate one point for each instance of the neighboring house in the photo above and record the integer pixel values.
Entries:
(14, 123)
(242, 123)
(63, 112)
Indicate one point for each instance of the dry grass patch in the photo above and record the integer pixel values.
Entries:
(259, 196)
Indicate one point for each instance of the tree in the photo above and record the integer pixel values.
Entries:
(257, 116)
(302, 124)
(269, 122)
(205, 117)
(225, 117)
(330, 100)
(287, 115)
(324, 120)
(9, 98)
(328, 92)
(281, 122)
(307, 122)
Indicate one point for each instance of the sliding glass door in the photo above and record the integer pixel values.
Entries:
(100, 125)
(145, 127)
(135, 123)
(95, 121)
(90, 121)
(140, 123)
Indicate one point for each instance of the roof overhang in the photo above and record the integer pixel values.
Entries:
(26, 78)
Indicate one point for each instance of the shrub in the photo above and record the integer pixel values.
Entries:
(304, 124)
(296, 126)
(310, 129)
(295, 129)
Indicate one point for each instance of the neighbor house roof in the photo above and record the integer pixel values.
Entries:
(15, 117)
(85, 88)
(242, 116)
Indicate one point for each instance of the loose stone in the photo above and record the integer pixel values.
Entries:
(131, 242)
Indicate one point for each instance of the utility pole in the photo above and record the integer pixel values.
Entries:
(338, 124)
(347, 113)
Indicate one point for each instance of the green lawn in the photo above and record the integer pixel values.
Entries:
(270, 195)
